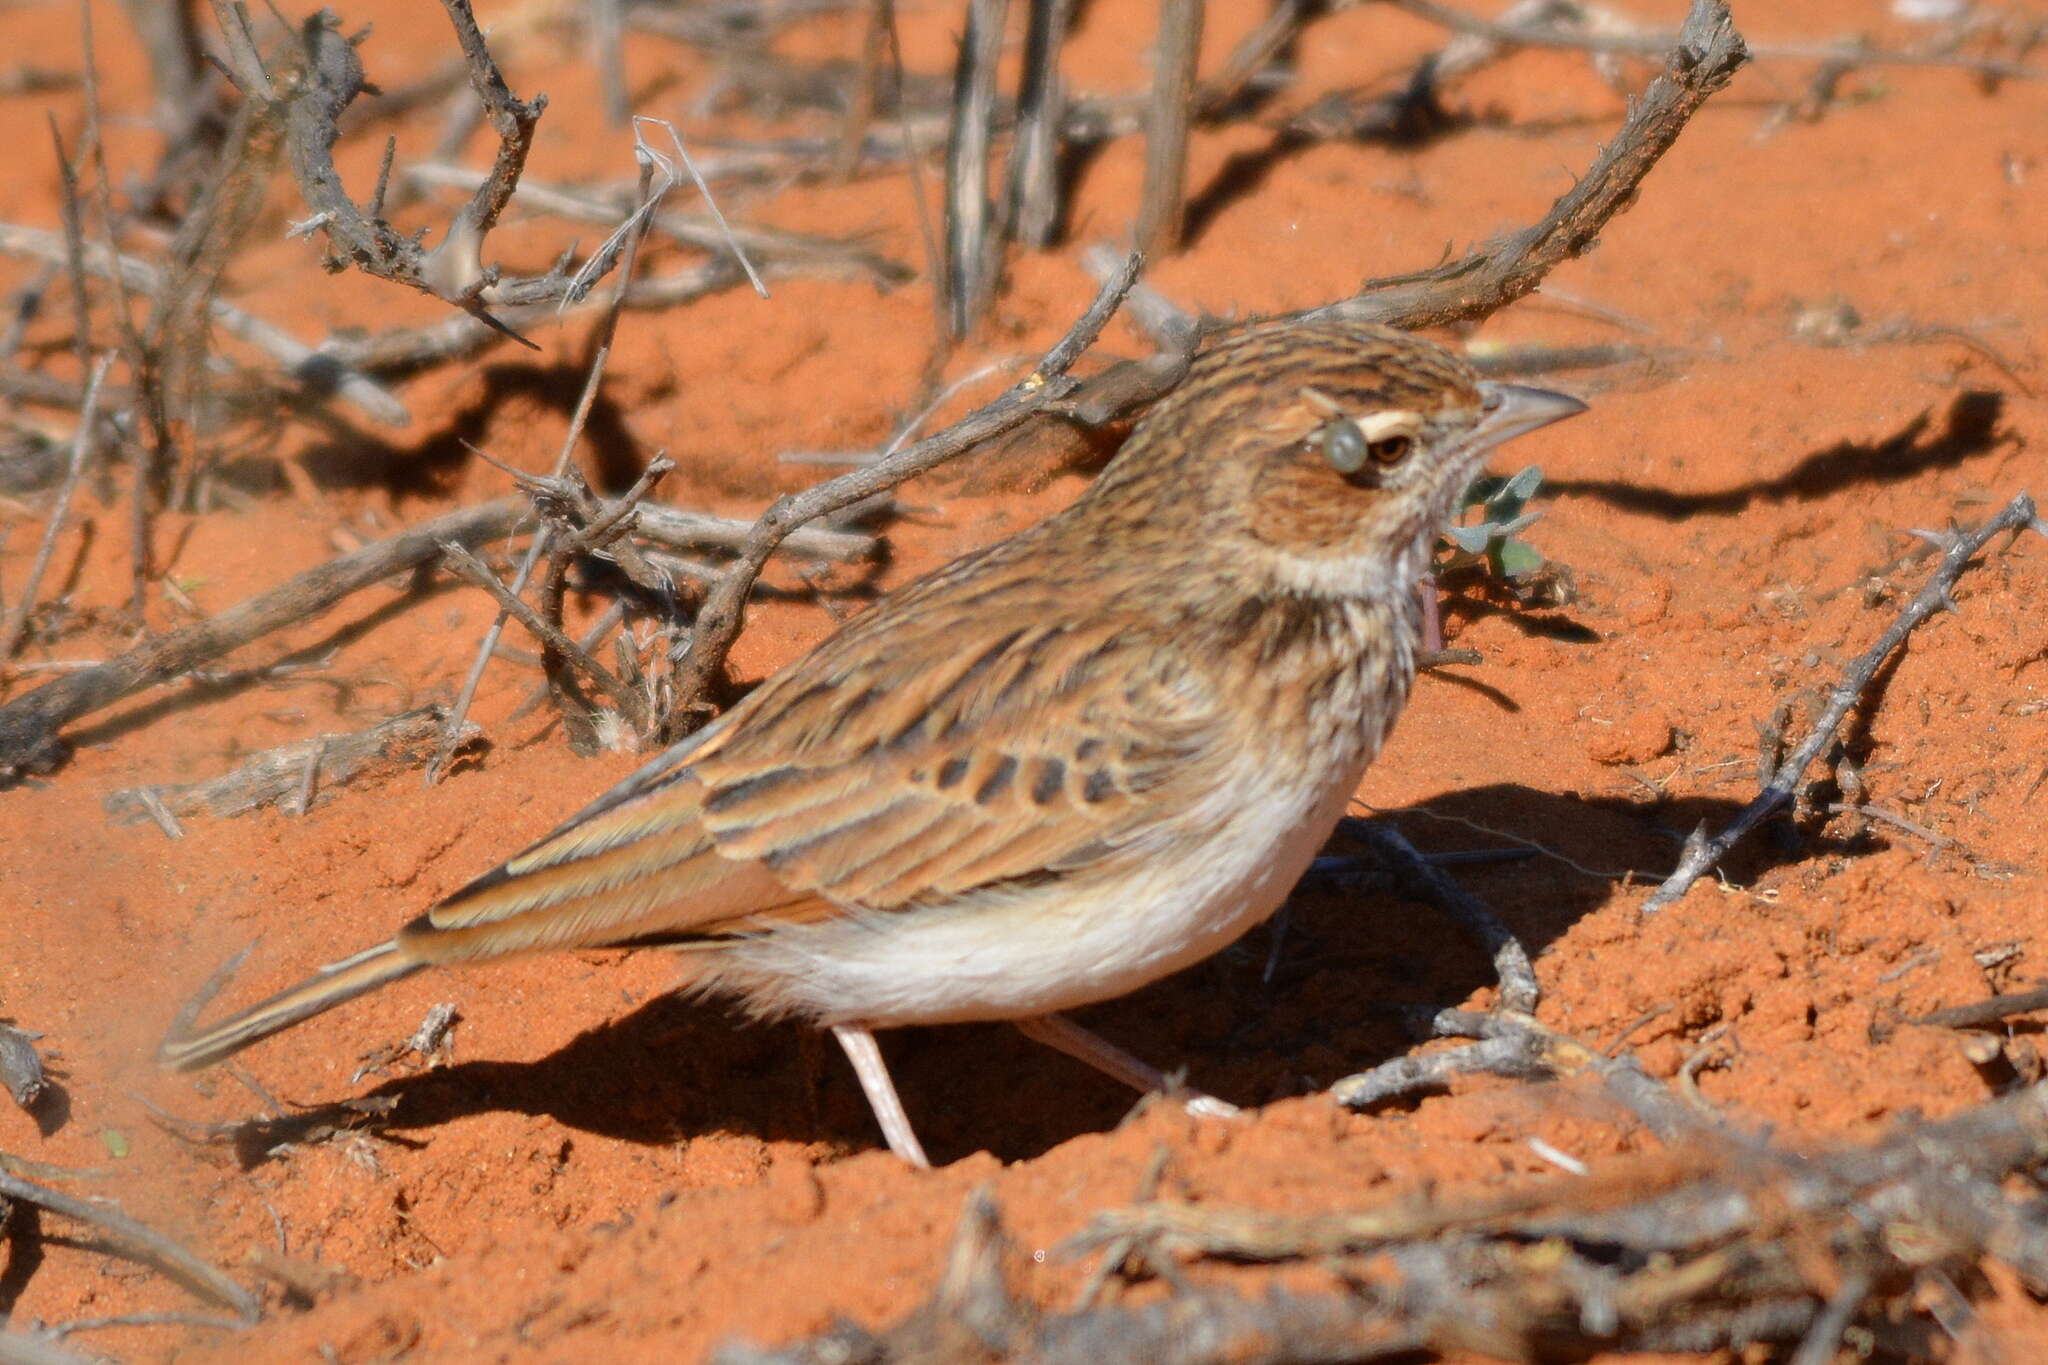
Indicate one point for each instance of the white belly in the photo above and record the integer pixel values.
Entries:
(1034, 951)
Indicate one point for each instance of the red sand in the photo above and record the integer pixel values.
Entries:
(601, 1170)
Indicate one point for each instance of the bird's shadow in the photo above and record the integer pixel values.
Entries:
(1971, 426)
(1338, 992)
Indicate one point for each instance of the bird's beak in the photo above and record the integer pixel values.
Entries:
(1512, 410)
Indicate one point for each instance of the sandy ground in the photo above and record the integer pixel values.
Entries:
(600, 1170)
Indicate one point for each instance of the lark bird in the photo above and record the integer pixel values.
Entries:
(1052, 771)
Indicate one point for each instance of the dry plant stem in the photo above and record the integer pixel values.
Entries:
(137, 1242)
(718, 620)
(21, 1067)
(81, 454)
(207, 1320)
(409, 350)
(1847, 54)
(612, 616)
(1818, 1346)
(74, 258)
(551, 636)
(865, 97)
(1702, 853)
(1983, 1013)
(1415, 876)
(689, 229)
(177, 69)
(1517, 1046)
(607, 328)
(1033, 211)
(973, 244)
(30, 724)
(1705, 58)
(680, 530)
(1161, 202)
(1279, 28)
(276, 777)
(1724, 1242)
(319, 370)
(329, 78)
(145, 458)
(607, 36)
(1766, 1248)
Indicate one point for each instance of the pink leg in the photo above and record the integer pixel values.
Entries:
(1059, 1032)
(881, 1092)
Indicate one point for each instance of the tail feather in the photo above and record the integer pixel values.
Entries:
(330, 986)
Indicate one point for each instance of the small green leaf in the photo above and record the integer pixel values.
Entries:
(1481, 489)
(116, 1141)
(1471, 539)
(1518, 557)
(1525, 484)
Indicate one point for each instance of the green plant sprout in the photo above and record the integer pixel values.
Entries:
(1490, 544)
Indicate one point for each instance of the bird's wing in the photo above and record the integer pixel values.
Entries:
(944, 768)
(886, 767)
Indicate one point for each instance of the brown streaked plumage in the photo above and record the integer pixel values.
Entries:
(1053, 770)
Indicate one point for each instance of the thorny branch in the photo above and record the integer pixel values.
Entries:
(309, 96)
(1702, 853)
(1705, 58)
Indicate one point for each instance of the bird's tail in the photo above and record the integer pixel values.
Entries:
(330, 986)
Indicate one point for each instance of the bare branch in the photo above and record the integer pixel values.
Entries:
(1847, 53)
(1161, 204)
(973, 237)
(277, 777)
(1708, 54)
(1702, 853)
(134, 1240)
(81, 454)
(30, 724)
(326, 77)
(318, 370)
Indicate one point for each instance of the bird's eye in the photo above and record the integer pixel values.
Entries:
(1390, 450)
(1345, 446)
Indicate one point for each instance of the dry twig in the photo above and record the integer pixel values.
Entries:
(1702, 853)
(81, 453)
(30, 725)
(1704, 59)
(1705, 1250)
(1161, 202)
(279, 777)
(973, 238)
(325, 78)
(317, 371)
(1845, 55)
(138, 1242)
(627, 241)
(1415, 876)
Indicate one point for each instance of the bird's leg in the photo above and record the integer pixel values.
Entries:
(1058, 1031)
(881, 1092)
(1432, 615)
